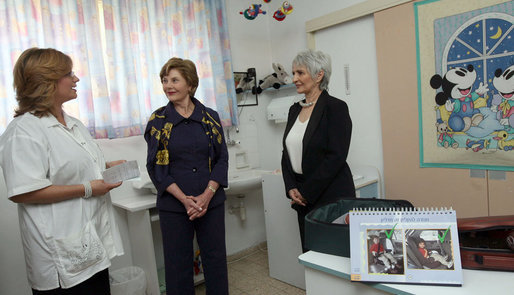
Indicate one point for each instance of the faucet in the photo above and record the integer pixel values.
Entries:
(231, 142)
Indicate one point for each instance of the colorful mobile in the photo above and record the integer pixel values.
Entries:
(253, 11)
(286, 8)
(281, 13)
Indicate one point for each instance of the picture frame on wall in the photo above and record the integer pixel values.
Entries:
(244, 83)
(464, 54)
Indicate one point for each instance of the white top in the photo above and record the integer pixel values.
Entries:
(294, 144)
(67, 242)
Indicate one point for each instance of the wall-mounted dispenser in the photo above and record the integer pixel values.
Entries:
(278, 108)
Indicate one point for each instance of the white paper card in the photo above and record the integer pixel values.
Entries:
(127, 170)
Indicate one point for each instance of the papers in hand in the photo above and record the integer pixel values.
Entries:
(127, 170)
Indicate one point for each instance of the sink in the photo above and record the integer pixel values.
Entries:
(239, 181)
(242, 181)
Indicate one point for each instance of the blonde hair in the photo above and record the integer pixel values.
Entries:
(186, 68)
(36, 74)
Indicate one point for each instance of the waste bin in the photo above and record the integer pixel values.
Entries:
(128, 281)
(325, 236)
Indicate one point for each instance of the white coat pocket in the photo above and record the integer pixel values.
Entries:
(80, 251)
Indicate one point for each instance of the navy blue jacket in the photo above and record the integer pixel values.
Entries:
(186, 151)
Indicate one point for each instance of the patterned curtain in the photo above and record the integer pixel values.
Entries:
(120, 84)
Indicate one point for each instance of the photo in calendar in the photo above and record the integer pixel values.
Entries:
(405, 246)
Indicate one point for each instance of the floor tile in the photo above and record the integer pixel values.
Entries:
(249, 275)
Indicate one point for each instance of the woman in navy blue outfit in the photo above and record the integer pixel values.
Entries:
(188, 162)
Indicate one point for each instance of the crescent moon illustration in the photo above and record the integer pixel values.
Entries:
(497, 35)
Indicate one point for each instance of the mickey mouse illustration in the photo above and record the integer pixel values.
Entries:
(458, 98)
(503, 102)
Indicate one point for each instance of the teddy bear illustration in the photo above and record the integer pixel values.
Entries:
(444, 138)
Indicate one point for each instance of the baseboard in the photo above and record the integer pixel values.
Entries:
(246, 252)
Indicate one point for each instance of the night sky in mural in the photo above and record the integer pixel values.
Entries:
(492, 52)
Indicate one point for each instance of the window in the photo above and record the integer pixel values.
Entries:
(485, 42)
(118, 48)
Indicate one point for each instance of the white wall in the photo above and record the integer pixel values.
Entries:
(350, 43)
(257, 44)
(353, 44)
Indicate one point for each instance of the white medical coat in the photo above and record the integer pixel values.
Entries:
(39, 152)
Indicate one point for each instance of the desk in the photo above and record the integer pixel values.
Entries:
(329, 274)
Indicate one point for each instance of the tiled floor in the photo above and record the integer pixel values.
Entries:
(249, 275)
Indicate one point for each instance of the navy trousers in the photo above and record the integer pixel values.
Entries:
(97, 284)
(177, 235)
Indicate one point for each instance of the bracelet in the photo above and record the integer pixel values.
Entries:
(88, 191)
(211, 188)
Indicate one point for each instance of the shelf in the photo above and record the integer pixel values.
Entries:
(285, 86)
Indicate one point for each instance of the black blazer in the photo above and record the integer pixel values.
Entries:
(327, 176)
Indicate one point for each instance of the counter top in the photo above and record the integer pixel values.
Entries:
(474, 281)
(134, 203)
(366, 175)
(133, 199)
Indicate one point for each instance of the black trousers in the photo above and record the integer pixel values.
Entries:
(302, 211)
(97, 284)
(177, 235)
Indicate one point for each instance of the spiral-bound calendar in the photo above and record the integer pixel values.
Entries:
(418, 246)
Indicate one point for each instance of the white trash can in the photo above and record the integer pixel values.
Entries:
(128, 281)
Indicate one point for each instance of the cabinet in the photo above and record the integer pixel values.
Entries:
(282, 233)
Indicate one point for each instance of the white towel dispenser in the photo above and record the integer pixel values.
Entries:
(278, 108)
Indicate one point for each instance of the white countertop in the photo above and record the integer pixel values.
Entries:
(474, 281)
(369, 176)
(134, 203)
(133, 199)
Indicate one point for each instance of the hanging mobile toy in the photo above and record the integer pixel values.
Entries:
(286, 8)
(252, 12)
(280, 14)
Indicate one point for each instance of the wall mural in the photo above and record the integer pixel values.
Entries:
(465, 52)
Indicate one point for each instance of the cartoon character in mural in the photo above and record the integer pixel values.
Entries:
(458, 98)
(503, 102)
(503, 143)
(444, 138)
(477, 145)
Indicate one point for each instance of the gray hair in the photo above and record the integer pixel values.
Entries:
(315, 61)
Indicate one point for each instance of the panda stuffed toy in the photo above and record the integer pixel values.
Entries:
(245, 83)
(275, 80)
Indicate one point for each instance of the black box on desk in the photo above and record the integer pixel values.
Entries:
(325, 236)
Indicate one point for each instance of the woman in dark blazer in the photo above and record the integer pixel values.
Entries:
(316, 140)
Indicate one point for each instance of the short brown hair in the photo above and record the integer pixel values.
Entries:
(36, 74)
(186, 68)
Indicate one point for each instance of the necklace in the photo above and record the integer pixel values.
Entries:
(305, 104)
